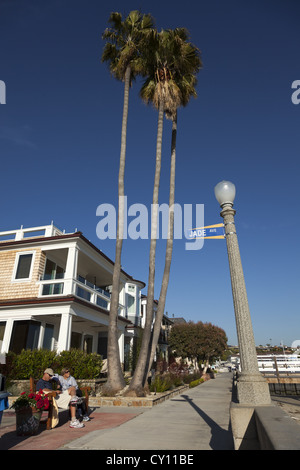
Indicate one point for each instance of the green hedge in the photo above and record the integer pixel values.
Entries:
(194, 383)
(34, 362)
(80, 364)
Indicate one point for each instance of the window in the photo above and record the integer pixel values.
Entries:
(131, 298)
(25, 335)
(53, 271)
(88, 344)
(2, 330)
(131, 304)
(48, 336)
(23, 266)
(76, 339)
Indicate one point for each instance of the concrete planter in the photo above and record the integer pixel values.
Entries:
(95, 385)
(16, 387)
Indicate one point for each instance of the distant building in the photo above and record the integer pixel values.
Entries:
(177, 320)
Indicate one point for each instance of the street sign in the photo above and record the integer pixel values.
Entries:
(210, 231)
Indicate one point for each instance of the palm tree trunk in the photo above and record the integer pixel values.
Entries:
(169, 248)
(115, 381)
(137, 383)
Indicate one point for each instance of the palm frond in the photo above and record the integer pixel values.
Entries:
(126, 36)
(170, 64)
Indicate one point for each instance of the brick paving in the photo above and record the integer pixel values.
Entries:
(59, 436)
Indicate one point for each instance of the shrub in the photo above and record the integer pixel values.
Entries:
(29, 363)
(176, 380)
(161, 384)
(80, 364)
(194, 383)
(165, 382)
(191, 377)
(34, 362)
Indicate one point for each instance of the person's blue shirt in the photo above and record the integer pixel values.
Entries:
(41, 384)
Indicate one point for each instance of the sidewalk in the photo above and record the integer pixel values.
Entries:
(198, 419)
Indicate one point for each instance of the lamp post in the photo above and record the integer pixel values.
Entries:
(251, 386)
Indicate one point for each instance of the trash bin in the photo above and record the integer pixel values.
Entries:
(3, 403)
(3, 397)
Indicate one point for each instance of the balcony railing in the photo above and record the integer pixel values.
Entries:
(79, 287)
(104, 292)
(137, 321)
(52, 286)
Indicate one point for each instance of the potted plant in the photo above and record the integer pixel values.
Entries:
(29, 407)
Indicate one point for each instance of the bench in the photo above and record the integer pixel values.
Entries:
(51, 396)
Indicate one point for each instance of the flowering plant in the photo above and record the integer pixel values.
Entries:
(37, 400)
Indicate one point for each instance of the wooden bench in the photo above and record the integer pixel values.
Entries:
(51, 396)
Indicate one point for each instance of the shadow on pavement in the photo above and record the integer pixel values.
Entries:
(220, 438)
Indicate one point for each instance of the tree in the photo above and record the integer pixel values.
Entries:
(171, 63)
(198, 341)
(122, 53)
(184, 72)
(214, 343)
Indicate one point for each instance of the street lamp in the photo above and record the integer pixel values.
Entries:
(251, 386)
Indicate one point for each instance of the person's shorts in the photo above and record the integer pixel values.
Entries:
(63, 400)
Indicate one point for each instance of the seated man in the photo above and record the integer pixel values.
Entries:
(63, 399)
(68, 382)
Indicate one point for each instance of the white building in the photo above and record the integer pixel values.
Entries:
(55, 292)
(166, 325)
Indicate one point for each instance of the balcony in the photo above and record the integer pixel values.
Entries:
(137, 321)
(92, 293)
(79, 287)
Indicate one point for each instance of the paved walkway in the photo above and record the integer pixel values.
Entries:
(198, 419)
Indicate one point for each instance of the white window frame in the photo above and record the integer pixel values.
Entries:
(18, 254)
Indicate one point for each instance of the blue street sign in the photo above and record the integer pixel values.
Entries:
(210, 231)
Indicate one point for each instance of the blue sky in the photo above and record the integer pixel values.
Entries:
(60, 145)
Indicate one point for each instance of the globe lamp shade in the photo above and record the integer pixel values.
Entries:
(225, 192)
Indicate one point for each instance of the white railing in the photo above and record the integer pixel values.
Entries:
(81, 288)
(280, 363)
(94, 294)
(51, 287)
(31, 232)
(93, 286)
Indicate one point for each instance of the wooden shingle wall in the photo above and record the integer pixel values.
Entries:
(10, 289)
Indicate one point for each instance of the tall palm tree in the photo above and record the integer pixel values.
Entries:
(186, 81)
(122, 52)
(171, 62)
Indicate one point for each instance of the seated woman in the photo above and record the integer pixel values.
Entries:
(64, 399)
(68, 382)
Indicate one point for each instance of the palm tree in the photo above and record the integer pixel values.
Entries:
(186, 82)
(122, 53)
(171, 62)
